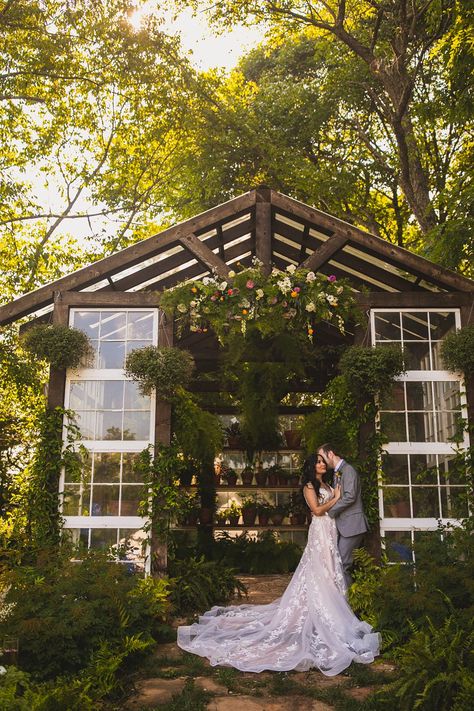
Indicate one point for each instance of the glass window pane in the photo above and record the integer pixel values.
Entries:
(87, 321)
(78, 468)
(111, 395)
(136, 425)
(133, 345)
(111, 354)
(103, 538)
(113, 326)
(134, 400)
(86, 423)
(395, 469)
(85, 501)
(421, 427)
(71, 500)
(387, 326)
(79, 537)
(105, 500)
(452, 470)
(425, 502)
(396, 502)
(140, 325)
(454, 502)
(106, 467)
(426, 542)
(131, 497)
(441, 324)
(449, 424)
(398, 547)
(393, 426)
(415, 326)
(109, 425)
(447, 395)
(436, 356)
(395, 400)
(129, 471)
(416, 356)
(83, 395)
(423, 469)
(419, 396)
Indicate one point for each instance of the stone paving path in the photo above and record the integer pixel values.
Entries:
(154, 692)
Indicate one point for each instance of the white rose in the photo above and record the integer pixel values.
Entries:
(339, 289)
(193, 303)
(310, 276)
(206, 281)
(245, 303)
(331, 299)
(259, 294)
(291, 269)
(223, 286)
(311, 306)
(182, 308)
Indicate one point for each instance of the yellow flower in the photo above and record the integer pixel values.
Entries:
(294, 294)
(245, 312)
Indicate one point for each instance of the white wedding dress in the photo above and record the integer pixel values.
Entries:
(311, 625)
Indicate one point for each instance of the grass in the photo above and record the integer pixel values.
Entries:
(192, 698)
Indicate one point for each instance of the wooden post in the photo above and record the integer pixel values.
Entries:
(263, 229)
(57, 377)
(467, 319)
(159, 549)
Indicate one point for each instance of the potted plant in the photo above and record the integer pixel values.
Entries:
(291, 431)
(247, 475)
(61, 346)
(190, 510)
(284, 477)
(233, 433)
(273, 475)
(233, 514)
(229, 475)
(264, 509)
(261, 475)
(161, 368)
(297, 510)
(222, 517)
(278, 513)
(249, 510)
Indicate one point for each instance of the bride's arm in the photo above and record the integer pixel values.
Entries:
(313, 502)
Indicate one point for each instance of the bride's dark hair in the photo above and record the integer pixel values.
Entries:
(309, 474)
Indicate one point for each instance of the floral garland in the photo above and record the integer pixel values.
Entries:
(291, 300)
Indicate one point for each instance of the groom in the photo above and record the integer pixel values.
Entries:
(348, 513)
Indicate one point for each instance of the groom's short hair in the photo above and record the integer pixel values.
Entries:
(328, 447)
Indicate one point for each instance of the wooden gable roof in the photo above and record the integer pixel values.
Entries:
(263, 223)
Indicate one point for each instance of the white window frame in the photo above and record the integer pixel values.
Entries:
(441, 448)
(112, 446)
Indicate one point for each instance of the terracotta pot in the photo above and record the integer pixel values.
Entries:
(247, 478)
(293, 439)
(298, 519)
(234, 520)
(249, 516)
(277, 518)
(205, 516)
(231, 479)
(283, 480)
(234, 442)
(272, 479)
(263, 519)
(261, 478)
(294, 481)
(192, 518)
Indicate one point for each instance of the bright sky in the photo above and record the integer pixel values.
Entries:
(208, 49)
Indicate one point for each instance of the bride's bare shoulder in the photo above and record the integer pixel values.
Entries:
(308, 485)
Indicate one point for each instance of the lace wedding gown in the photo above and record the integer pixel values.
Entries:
(311, 625)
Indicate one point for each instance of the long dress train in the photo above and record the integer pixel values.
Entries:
(311, 625)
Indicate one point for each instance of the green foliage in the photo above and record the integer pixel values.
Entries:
(198, 584)
(437, 667)
(61, 346)
(192, 698)
(164, 369)
(370, 371)
(198, 432)
(64, 612)
(457, 351)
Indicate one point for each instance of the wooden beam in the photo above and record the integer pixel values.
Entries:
(323, 254)
(136, 253)
(96, 299)
(414, 299)
(390, 252)
(263, 229)
(467, 319)
(57, 377)
(205, 255)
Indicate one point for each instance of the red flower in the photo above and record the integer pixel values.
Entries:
(332, 277)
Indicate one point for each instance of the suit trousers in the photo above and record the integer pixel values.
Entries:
(347, 545)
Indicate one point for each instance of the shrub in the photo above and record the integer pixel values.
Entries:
(198, 584)
(60, 346)
(63, 611)
(163, 368)
(370, 371)
(457, 351)
(265, 555)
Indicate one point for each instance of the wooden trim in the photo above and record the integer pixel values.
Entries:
(263, 229)
(467, 319)
(57, 377)
(391, 253)
(414, 299)
(96, 299)
(119, 261)
(323, 254)
(203, 254)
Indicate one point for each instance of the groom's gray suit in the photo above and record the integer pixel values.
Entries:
(348, 513)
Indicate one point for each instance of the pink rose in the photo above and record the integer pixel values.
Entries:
(250, 284)
(213, 298)
(297, 289)
(332, 277)
(273, 300)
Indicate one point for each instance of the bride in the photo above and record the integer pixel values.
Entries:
(311, 625)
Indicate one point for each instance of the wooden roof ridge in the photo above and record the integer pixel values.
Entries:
(377, 245)
(262, 202)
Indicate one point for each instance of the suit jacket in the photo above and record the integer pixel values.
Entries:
(349, 512)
